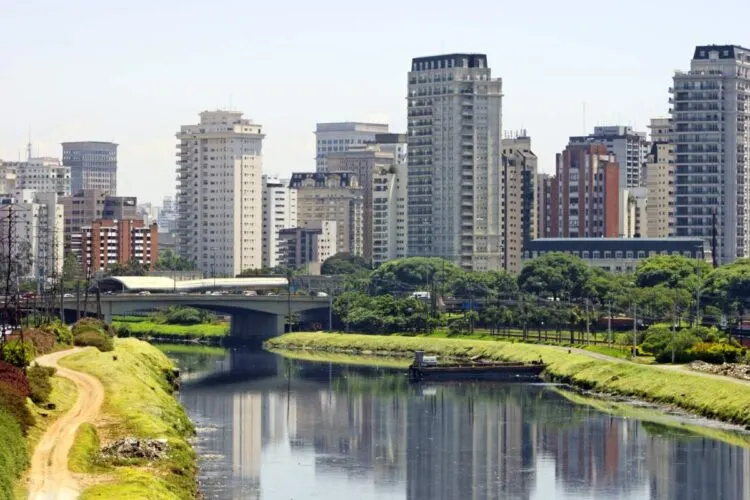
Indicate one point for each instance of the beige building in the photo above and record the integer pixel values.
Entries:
(634, 213)
(220, 192)
(660, 173)
(377, 166)
(339, 137)
(307, 247)
(86, 206)
(332, 197)
(519, 165)
(544, 201)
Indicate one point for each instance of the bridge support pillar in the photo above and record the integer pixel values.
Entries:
(255, 327)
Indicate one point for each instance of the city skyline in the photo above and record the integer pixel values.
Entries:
(138, 96)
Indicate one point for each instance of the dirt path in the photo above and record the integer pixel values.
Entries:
(50, 478)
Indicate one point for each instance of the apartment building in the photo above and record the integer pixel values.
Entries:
(279, 212)
(634, 213)
(710, 111)
(93, 165)
(659, 173)
(628, 146)
(307, 247)
(546, 205)
(454, 176)
(106, 242)
(334, 197)
(588, 193)
(376, 165)
(36, 227)
(338, 137)
(44, 175)
(519, 172)
(220, 193)
(84, 207)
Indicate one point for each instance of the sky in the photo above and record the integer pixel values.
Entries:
(133, 72)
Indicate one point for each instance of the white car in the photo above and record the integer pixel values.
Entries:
(144, 292)
(67, 295)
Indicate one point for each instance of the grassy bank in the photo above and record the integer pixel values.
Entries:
(14, 453)
(724, 400)
(146, 328)
(138, 403)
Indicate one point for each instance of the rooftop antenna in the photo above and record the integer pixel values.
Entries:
(28, 147)
(584, 118)
(230, 103)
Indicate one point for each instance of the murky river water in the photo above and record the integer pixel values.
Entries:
(271, 428)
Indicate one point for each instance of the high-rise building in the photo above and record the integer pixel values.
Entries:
(454, 175)
(710, 116)
(629, 147)
(43, 175)
(308, 246)
(546, 205)
(93, 165)
(106, 242)
(220, 192)
(86, 206)
(634, 213)
(519, 165)
(8, 177)
(279, 212)
(588, 193)
(167, 218)
(376, 165)
(36, 226)
(340, 136)
(659, 173)
(334, 197)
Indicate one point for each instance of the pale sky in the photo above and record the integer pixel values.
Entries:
(134, 71)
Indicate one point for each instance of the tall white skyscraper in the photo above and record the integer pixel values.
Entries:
(220, 193)
(279, 212)
(710, 108)
(340, 136)
(454, 176)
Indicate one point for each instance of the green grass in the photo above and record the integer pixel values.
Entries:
(722, 399)
(343, 359)
(139, 402)
(84, 454)
(14, 454)
(151, 329)
(191, 349)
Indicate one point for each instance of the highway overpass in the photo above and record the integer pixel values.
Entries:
(253, 318)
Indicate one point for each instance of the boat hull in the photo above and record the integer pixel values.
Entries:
(504, 372)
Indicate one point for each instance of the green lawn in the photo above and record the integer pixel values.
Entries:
(148, 328)
(138, 402)
(722, 399)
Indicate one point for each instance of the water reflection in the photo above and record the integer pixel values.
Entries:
(295, 430)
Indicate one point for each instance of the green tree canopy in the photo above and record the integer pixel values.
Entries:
(344, 263)
(555, 275)
(169, 261)
(413, 273)
(729, 284)
(670, 270)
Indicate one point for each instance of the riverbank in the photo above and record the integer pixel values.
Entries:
(713, 398)
(144, 328)
(138, 381)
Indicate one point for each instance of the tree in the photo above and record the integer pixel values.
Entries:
(344, 263)
(132, 268)
(556, 275)
(669, 270)
(413, 273)
(729, 284)
(169, 261)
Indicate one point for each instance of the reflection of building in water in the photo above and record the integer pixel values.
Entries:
(469, 449)
(699, 468)
(601, 453)
(246, 443)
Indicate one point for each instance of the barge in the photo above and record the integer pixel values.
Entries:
(427, 368)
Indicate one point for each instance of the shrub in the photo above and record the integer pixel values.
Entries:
(123, 331)
(43, 340)
(97, 339)
(88, 325)
(17, 353)
(15, 404)
(183, 316)
(14, 378)
(716, 352)
(39, 383)
(661, 341)
(62, 333)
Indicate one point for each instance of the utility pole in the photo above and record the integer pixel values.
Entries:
(674, 328)
(588, 334)
(609, 325)
(635, 331)
(330, 310)
(289, 300)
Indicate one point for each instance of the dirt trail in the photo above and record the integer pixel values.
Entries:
(50, 478)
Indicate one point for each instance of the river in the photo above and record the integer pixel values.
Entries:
(273, 428)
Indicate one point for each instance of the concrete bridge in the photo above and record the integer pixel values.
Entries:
(253, 318)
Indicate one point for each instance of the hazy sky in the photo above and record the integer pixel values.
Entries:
(134, 71)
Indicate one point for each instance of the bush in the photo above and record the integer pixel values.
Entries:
(660, 341)
(14, 403)
(124, 331)
(43, 340)
(39, 383)
(89, 325)
(183, 316)
(62, 333)
(17, 353)
(14, 378)
(97, 339)
(715, 352)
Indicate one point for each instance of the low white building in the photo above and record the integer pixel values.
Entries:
(43, 175)
(279, 212)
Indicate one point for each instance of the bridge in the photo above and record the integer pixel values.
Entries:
(253, 318)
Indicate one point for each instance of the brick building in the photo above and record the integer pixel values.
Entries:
(106, 242)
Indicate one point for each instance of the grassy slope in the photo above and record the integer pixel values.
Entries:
(138, 402)
(149, 328)
(14, 455)
(725, 400)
